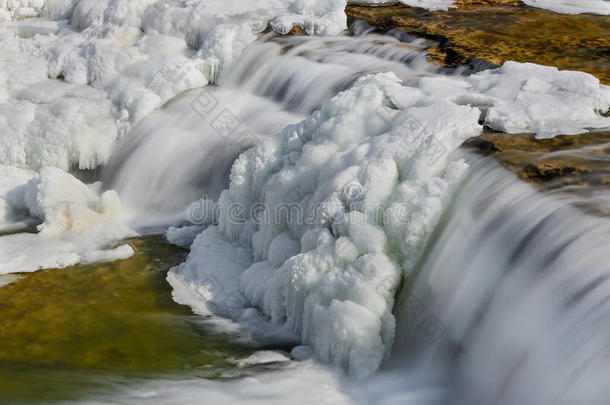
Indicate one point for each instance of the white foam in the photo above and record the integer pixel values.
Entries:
(296, 383)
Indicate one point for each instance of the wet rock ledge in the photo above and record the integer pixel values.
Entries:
(500, 30)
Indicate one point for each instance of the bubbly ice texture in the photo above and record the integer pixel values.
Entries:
(324, 215)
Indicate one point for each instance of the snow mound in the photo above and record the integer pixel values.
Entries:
(321, 221)
(64, 203)
(544, 100)
(80, 224)
(11, 10)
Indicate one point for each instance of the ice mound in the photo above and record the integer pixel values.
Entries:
(544, 100)
(80, 224)
(321, 221)
(64, 203)
(572, 6)
(524, 98)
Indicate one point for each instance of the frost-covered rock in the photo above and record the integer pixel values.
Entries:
(329, 214)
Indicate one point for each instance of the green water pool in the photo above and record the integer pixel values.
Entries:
(71, 333)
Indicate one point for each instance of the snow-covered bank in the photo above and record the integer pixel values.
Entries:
(80, 224)
(116, 62)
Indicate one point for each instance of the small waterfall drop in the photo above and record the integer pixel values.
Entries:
(510, 301)
(186, 149)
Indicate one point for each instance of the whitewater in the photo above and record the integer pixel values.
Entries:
(318, 183)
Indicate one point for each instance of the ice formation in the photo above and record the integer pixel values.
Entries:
(319, 221)
(118, 60)
(524, 97)
(325, 218)
(79, 222)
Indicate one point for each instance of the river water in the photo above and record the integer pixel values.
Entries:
(508, 299)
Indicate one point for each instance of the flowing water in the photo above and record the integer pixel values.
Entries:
(508, 301)
(276, 82)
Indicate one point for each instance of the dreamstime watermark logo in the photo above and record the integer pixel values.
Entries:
(413, 134)
(222, 120)
(293, 213)
(225, 123)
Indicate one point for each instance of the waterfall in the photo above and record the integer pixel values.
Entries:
(186, 149)
(510, 300)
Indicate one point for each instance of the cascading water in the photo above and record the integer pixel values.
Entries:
(514, 310)
(349, 238)
(179, 153)
(509, 304)
(187, 148)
